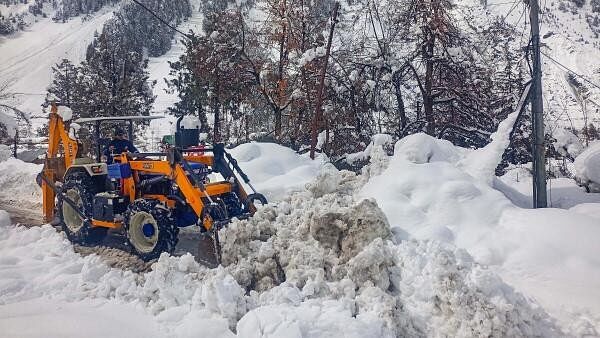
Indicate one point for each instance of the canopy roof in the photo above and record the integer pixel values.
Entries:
(117, 118)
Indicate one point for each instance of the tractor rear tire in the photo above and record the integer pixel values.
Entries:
(149, 229)
(79, 188)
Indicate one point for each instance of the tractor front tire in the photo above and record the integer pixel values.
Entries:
(149, 229)
(80, 189)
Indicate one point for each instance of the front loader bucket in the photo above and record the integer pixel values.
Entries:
(209, 249)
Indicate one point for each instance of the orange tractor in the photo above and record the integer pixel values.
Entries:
(146, 196)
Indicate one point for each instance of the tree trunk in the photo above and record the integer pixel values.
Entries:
(427, 98)
(216, 128)
(401, 111)
(277, 112)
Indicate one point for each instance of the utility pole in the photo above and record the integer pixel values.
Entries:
(537, 112)
(16, 143)
(318, 117)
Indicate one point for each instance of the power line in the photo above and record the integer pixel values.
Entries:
(571, 71)
(161, 19)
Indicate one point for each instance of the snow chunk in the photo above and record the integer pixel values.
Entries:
(190, 122)
(422, 148)
(17, 179)
(310, 55)
(567, 144)
(65, 113)
(376, 146)
(587, 166)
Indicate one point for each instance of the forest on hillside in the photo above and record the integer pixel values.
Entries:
(264, 70)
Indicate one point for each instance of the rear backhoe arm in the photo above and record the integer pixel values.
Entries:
(54, 166)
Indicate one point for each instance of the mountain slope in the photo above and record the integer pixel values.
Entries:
(27, 57)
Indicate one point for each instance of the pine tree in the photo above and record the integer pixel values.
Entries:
(114, 81)
(192, 90)
(65, 84)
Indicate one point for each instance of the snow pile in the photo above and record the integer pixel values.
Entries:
(39, 263)
(324, 252)
(567, 144)
(17, 179)
(321, 263)
(587, 166)
(275, 170)
(378, 141)
(427, 192)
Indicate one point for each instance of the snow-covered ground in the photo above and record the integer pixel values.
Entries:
(457, 257)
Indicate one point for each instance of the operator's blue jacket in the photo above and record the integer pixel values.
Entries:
(117, 146)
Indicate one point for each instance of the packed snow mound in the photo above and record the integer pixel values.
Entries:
(433, 195)
(17, 179)
(587, 166)
(275, 170)
(316, 251)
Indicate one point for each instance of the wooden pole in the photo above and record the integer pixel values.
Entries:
(318, 117)
(537, 111)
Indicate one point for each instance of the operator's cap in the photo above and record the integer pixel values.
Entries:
(119, 132)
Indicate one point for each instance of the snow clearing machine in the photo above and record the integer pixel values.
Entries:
(147, 197)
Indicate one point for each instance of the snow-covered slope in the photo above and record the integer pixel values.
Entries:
(158, 68)
(26, 58)
(567, 38)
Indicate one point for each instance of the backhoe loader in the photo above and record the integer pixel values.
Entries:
(146, 196)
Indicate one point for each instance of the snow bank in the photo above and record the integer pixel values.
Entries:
(275, 170)
(5, 152)
(587, 166)
(428, 192)
(17, 179)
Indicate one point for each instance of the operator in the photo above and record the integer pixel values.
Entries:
(118, 145)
